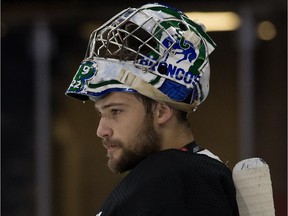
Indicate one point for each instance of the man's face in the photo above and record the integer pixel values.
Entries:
(127, 130)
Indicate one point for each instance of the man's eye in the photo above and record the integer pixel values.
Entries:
(115, 111)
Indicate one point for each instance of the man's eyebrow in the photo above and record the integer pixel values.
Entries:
(105, 106)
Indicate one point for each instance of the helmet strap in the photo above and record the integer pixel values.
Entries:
(141, 86)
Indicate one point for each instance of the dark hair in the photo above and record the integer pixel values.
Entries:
(148, 103)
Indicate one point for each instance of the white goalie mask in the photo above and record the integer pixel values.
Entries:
(154, 50)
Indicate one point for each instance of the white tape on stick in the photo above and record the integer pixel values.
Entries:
(254, 188)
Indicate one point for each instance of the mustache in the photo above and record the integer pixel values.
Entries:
(106, 142)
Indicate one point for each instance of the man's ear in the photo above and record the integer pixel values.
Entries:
(164, 113)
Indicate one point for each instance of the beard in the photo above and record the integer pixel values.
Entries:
(144, 142)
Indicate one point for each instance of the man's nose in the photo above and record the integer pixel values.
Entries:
(103, 129)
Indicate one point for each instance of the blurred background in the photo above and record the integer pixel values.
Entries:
(53, 163)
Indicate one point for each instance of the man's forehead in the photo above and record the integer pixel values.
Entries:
(115, 98)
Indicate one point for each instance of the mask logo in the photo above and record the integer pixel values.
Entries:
(183, 48)
(86, 71)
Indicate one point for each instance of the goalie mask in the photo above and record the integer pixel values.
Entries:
(154, 50)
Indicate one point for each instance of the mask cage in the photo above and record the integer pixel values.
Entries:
(132, 35)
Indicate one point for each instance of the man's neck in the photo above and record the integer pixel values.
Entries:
(177, 138)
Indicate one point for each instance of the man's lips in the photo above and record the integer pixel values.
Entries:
(109, 146)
